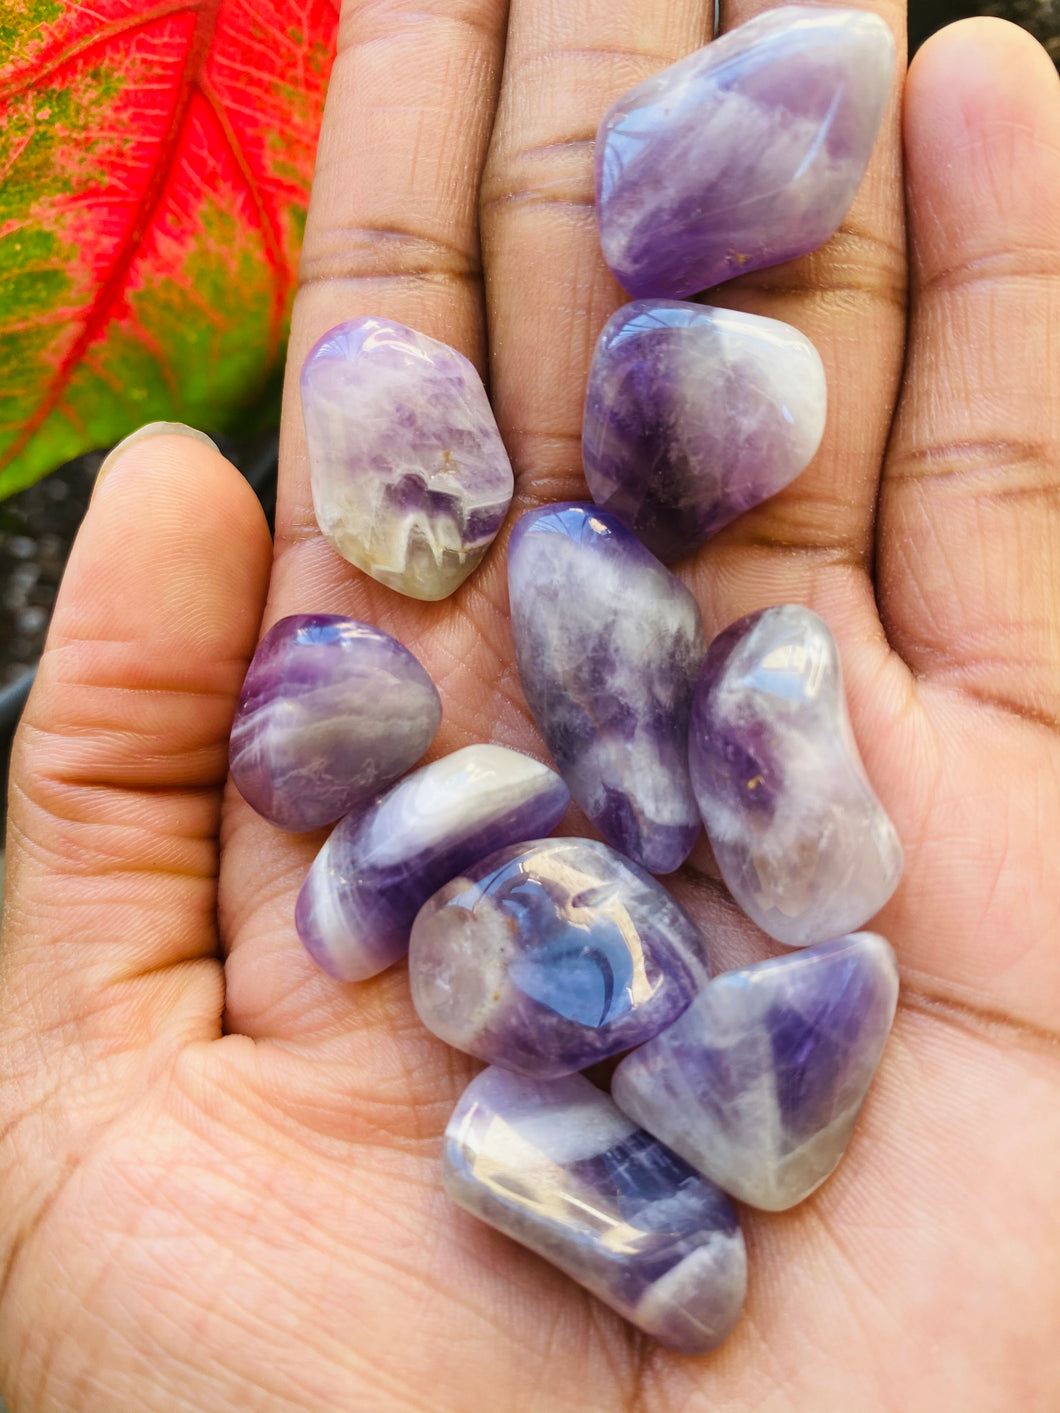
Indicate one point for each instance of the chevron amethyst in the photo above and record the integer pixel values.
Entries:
(693, 415)
(411, 480)
(555, 1165)
(331, 711)
(801, 839)
(549, 956)
(760, 1082)
(746, 153)
(380, 864)
(608, 645)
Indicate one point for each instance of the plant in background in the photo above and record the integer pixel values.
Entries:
(155, 162)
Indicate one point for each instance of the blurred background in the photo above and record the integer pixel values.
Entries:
(1041, 17)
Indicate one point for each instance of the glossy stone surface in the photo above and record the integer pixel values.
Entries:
(331, 712)
(693, 415)
(608, 645)
(760, 1082)
(550, 956)
(382, 863)
(746, 153)
(553, 1164)
(411, 480)
(802, 842)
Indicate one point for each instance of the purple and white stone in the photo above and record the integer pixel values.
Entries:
(381, 864)
(547, 957)
(608, 645)
(411, 480)
(555, 1165)
(693, 415)
(801, 839)
(331, 712)
(760, 1082)
(746, 153)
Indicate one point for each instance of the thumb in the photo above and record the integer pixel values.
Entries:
(118, 765)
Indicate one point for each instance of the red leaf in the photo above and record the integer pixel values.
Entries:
(155, 163)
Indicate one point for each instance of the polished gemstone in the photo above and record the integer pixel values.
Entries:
(694, 415)
(803, 843)
(744, 154)
(331, 712)
(554, 1164)
(760, 1082)
(549, 956)
(411, 480)
(380, 864)
(608, 645)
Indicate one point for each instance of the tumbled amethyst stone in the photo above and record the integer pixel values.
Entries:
(801, 839)
(331, 712)
(694, 415)
(411, 480)
(608, 645)
(554, 1165)
(382, 863)
(549, 956)
(746, 153)
(760, 1082)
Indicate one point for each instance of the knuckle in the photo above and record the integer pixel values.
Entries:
(552, 173)
(1020, 471)
(368, 21)
(358, 254)
(1025, 264)
(857, 268)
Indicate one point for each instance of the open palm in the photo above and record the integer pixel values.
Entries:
(219, 1177)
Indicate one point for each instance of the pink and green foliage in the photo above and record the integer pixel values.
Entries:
(155, 162)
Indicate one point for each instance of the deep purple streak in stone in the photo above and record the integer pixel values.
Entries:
(547, 957)
(608, 645)
(747, 153)
(555, 1166)
(331, 712)
(760, 1082)
(693, 415)
(381, 863)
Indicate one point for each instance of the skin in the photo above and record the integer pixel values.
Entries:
(219, 1183)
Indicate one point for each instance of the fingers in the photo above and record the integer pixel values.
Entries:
(548, 289)
(392, 231)
(122, 753)
(969, 547)
(812, 543)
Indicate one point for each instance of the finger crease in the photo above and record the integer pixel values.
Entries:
(829, 292)
(359, 253)
(562, 146)
(999, 266)
(979, 1020)
(376, 22)
(992, 473)
(573, 191)
(841, 554)
(1009, 707)
(650, 62)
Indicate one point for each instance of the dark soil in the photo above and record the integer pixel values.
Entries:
(37, 528)
(1041, 17)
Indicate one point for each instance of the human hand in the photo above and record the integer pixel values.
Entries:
(219, 1181)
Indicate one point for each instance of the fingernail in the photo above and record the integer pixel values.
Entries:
(151, 429)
